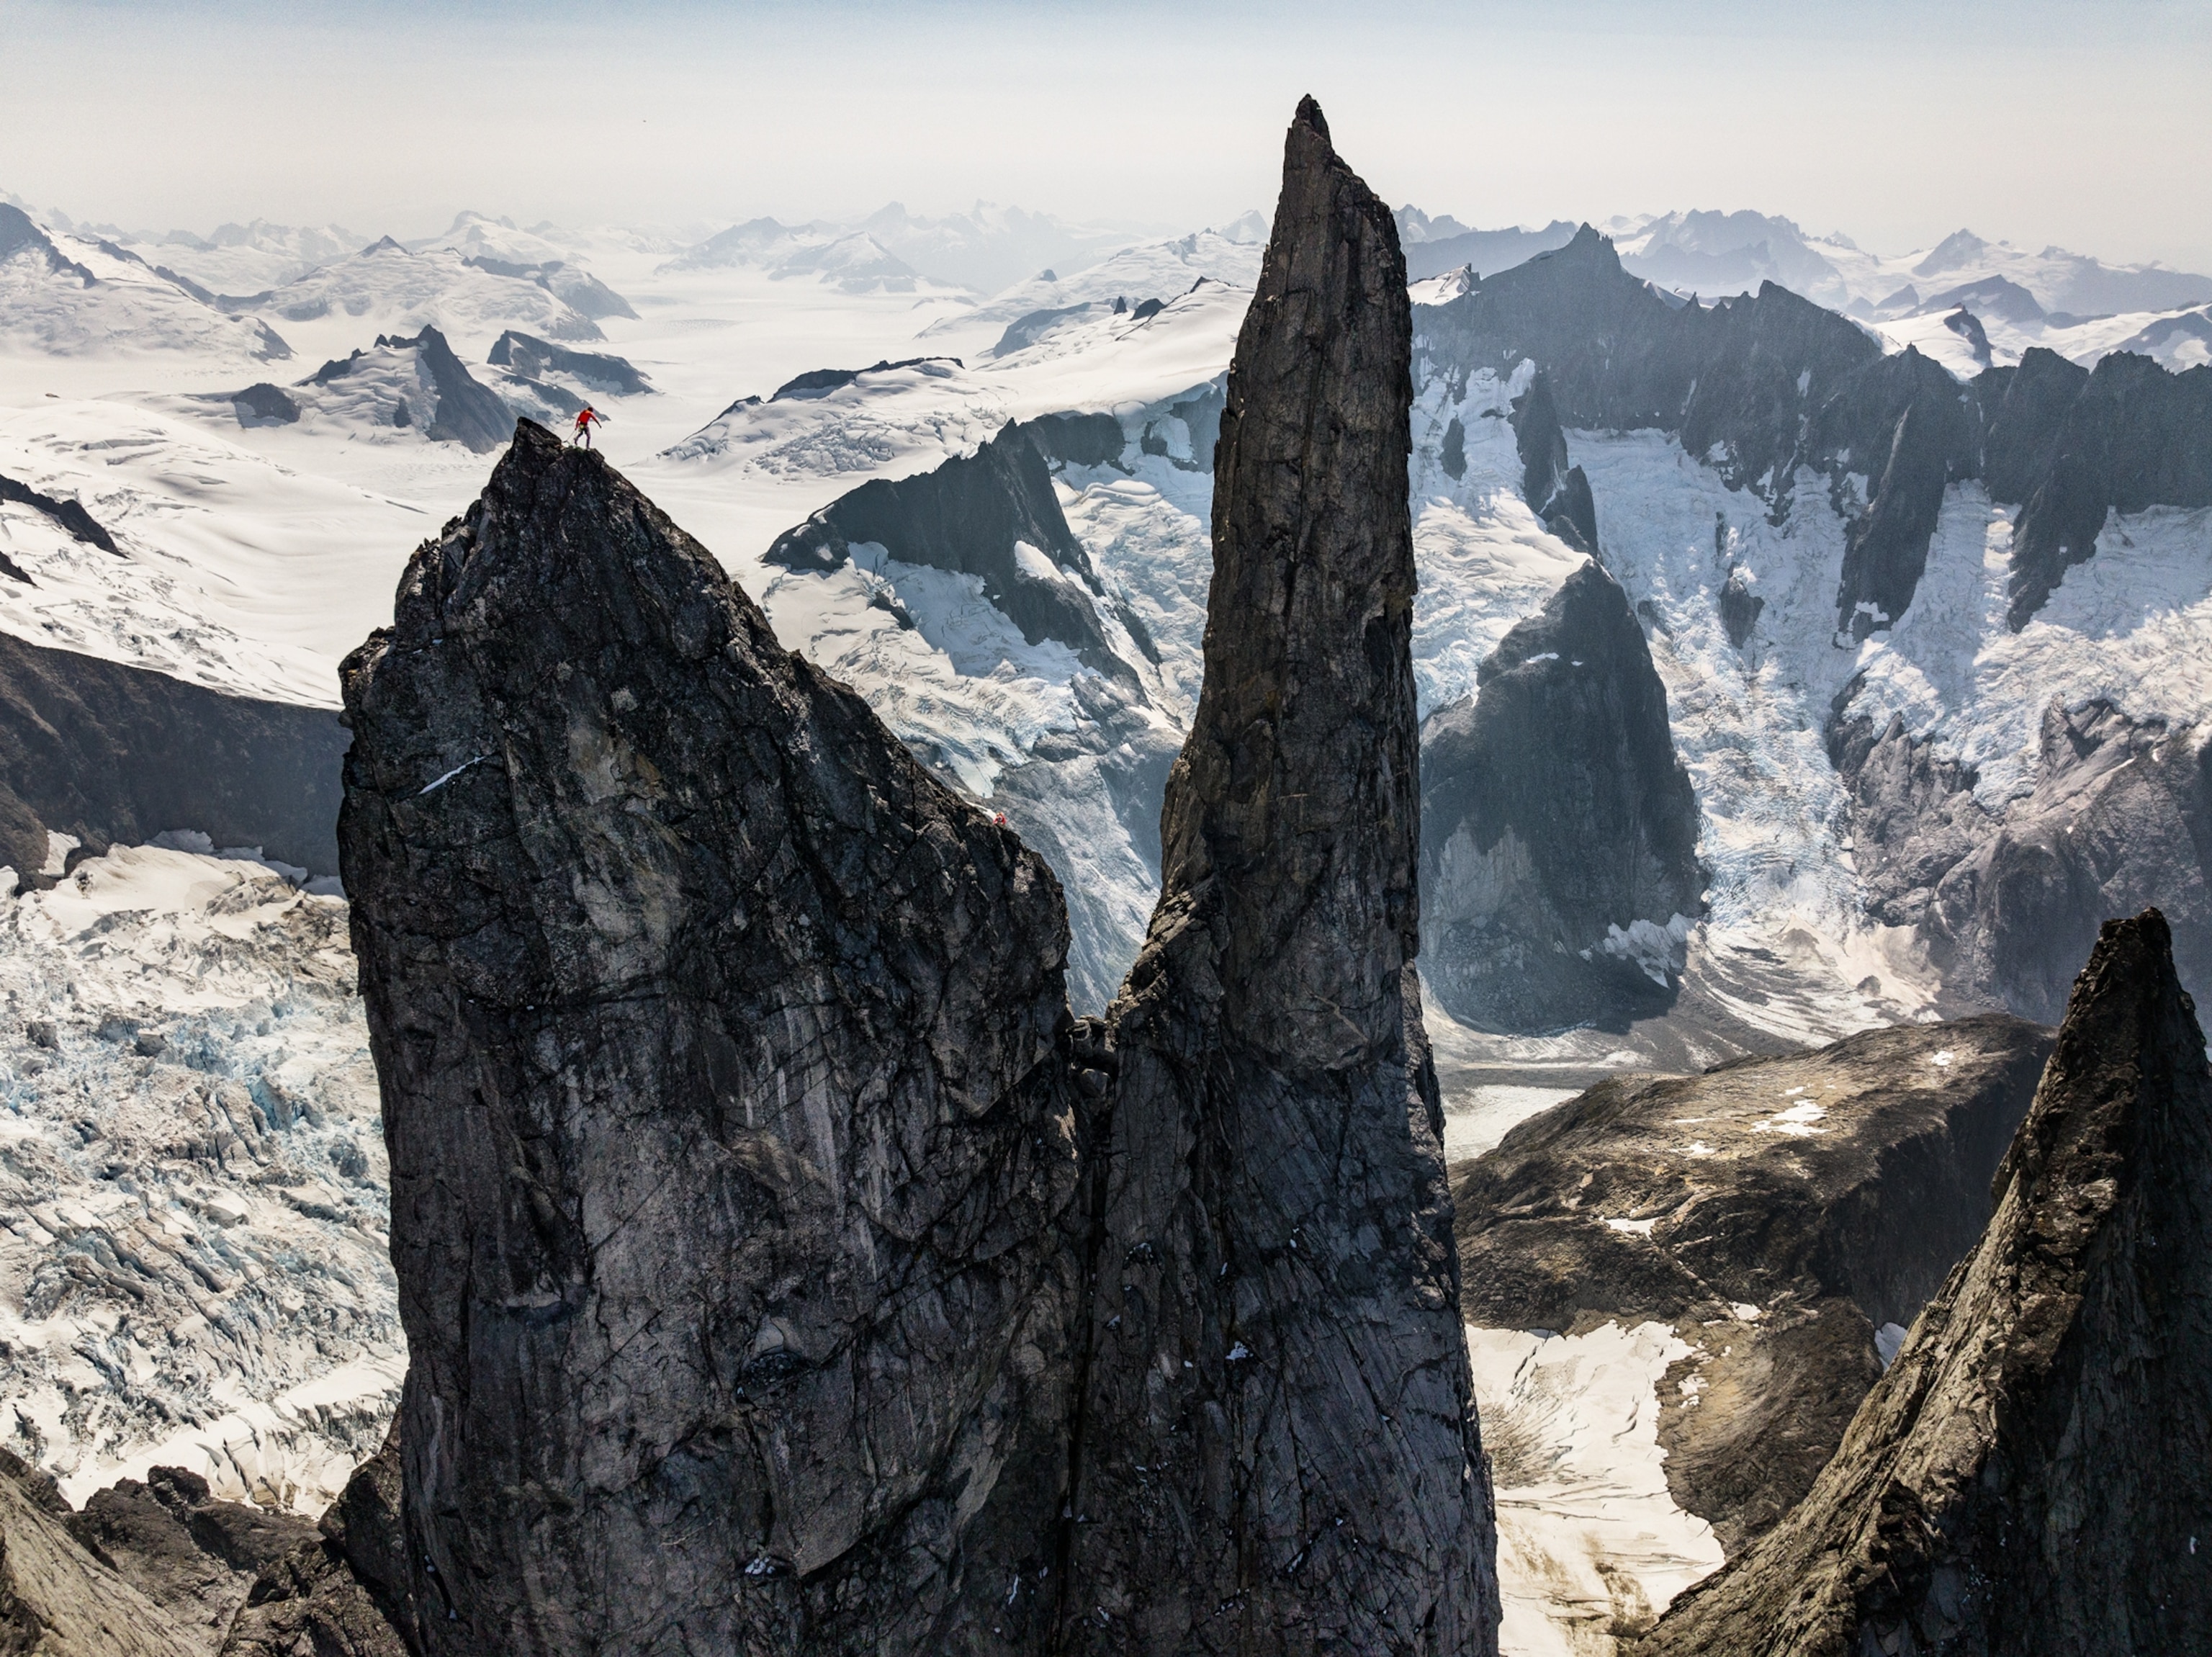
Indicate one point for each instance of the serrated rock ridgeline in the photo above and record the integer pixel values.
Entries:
(2028, 1475)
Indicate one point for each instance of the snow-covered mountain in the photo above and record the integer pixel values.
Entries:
(982, 251)
(63, 296)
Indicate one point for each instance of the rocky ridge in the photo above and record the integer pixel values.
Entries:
(2028, 1473)
(775, 1189)
(1251, 1472)
(1778, 1213)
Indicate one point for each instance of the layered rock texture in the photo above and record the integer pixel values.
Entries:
(1778, 1213)
(1278, 1448)
(56, 1598)
(2029, 1475)
(783, 1270)
(1558, 831)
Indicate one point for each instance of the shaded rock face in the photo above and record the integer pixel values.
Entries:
(2026, 1476)
(468, 412)
(1918, 420)
(2136, 435)
(2025, 408)
(71, 515)
(1277, 1449)
(1759, 385)
(192, 1555)
(112, 753)
(531, 357)
(2003, 902)
(344, 1591)
(971, 515)
(57, 1598)
(1558, 828)
(729, 1136)
(265, 405)
(1830, 1192)
(1559, 492)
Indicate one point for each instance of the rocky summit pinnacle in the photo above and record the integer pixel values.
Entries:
(2028, 1475)
(1278, 1449)
(783, 1270)
(717, 1043)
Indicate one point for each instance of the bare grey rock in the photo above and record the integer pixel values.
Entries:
(191, 1554)
(1277, 1449)
(1827, 1194)
(1558, 829)
(729, 1140)
(2028, 1475)
(343, 1592)
(56, 1598)
(2005, 900)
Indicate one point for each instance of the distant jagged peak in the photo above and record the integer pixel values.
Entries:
(382, 245)
(1956, 251)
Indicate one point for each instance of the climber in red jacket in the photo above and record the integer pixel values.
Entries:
(586, 417)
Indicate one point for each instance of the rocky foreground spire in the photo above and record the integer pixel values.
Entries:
(2029, 1475)
(717, 1048)
(1278, 1449)
(783, 1271)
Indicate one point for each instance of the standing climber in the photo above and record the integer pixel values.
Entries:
(587, 417)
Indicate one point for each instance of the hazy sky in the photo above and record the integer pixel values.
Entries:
(2082, 124)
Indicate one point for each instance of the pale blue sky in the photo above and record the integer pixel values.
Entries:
(2084, 125)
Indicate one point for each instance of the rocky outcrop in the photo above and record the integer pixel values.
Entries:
(1277, 1447)
(1558, 829)
(782, 1268)
(108, 754)
(57, 1599)
(2136, 435)
(193, 1555)
(1776, 1212)
(730, 1136)
(1557, 490)
(2028, 1475)
(69, 515)
(2004, 900)
(534, 358)
(975, 515)
(1903, 424)
(468, 412)
(344, 1591)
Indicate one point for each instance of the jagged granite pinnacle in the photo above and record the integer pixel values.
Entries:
(729, 1135)
(2028, 1477)
(1278, 1449)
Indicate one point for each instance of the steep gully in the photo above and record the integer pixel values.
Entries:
(850, 1295)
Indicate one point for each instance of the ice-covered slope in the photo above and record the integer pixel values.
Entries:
(192, 1268)
(245, 258)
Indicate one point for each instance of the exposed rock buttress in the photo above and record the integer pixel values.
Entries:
(1278, 1449)
(729, 1136)
(783, 1268)
(2029, 1475)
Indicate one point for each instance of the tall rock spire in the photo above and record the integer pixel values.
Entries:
(1277, 1449)
(717, 1043)
(2029, 1475)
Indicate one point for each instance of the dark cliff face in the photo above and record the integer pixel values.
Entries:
(1918, 421)
(2136, 435)
(107, 752)
(966, 516)
(1555, 817)
(1277, 1449)
(2028, 1476)
(2006, 901)
(533, 357)
(1830, 1223)
(58, 1599)
(729, 1137)
(469, 412)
